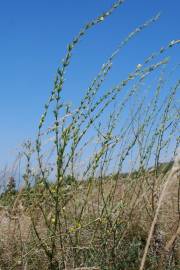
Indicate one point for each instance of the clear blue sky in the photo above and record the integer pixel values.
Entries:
(33, 39)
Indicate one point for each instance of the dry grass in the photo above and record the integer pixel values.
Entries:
(18, 243)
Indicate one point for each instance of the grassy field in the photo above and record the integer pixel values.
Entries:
(103, 225)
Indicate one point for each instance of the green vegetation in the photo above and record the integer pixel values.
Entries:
(81, 205)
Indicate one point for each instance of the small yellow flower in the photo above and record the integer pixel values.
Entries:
(41, 184)
(78, 225)
(71, 230)
(53, 190)
(103, 220)
(101, 18)
(53, 220)
(138, 66)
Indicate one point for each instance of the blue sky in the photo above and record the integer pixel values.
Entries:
(33, 39)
